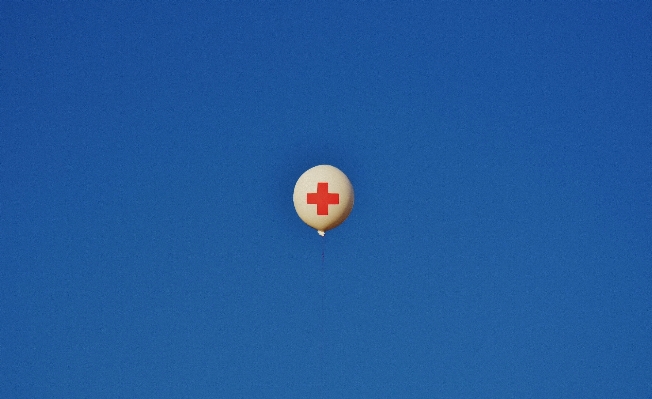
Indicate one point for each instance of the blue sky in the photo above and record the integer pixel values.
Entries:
(499, 245)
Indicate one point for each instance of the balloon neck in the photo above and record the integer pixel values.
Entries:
(321, 232)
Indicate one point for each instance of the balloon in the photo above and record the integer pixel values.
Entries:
(323, 197)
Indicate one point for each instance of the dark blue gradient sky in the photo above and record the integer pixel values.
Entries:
(500, 243)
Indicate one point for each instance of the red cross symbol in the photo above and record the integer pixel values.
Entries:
(323, 198)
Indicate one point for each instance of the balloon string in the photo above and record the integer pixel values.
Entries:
(322, 321)
(323, 248)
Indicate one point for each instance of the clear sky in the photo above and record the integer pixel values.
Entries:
(500, 242)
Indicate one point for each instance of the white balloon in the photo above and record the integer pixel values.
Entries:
(323, 197)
